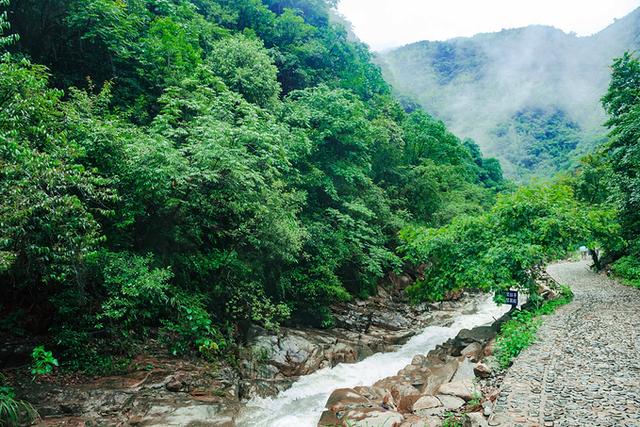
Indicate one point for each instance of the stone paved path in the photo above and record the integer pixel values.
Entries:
(584, 369)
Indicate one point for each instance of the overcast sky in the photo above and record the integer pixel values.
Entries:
(388, 23)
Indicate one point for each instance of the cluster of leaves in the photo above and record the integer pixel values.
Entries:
(43, 361)
(13, 411)
(520, 332)
(452, 419)
(224, 163)
(628, 268)
(505, 247)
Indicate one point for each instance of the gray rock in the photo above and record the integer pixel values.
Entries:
(482, 371)
(472, 351)
(465, 371)
(439, 375)
(487, 408)
(424, 405)
(477, 420)
(374, 418)
(462, 389)
(450, 402)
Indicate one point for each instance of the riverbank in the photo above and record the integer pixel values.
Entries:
(162, 390)
(455, 384)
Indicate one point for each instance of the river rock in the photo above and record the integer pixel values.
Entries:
(450, 403)
(462, 389)
(345, 398)
(342, 353)
(424, 405)
(477, 420)
(472, 351)
(401, 390)
(415, 421)
(418, 360)
(174, 384)
(464, 371)
(431, 421)
(480, 334)
(489, 348)
(482, 371)
(371, 417)
(439, 375)
(487, 408)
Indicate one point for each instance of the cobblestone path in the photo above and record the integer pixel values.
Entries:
(584, 369)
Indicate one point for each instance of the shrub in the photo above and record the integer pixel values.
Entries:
(628, 269)
(192, 328)
(43, 361)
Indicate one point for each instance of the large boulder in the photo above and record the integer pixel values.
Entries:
(345, 398)
(438, 375)
(425, 405)
(464, 371)
(462, 389)
(477, 420)
(482, 371)
(450, 403)
(473, 351)
(371, 417)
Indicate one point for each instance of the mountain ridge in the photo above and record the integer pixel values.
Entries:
(483, 84)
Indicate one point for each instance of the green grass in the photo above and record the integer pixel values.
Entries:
(14, 412)
(454, 420)
(520, 332)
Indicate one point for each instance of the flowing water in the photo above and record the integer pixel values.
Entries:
(303, 403)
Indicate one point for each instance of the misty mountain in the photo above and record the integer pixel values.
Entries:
(529, 96)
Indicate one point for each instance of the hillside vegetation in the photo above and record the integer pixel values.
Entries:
(181, 169)
(529, 96)
(176, 171)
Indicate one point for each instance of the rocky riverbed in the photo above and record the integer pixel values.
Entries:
(458, 380)
(164, 391)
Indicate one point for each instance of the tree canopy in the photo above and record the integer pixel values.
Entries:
(185, 168)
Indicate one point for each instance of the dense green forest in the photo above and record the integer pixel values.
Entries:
(180, 169)
(597, 205)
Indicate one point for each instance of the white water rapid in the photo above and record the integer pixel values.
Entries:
(303, 403)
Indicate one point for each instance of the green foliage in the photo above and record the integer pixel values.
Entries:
(14, 412)
(135, 293)
(245, 66)
(539, 140)
(520, 332)
(5, 40)
(451, 419)
(191, 328)
(622, 102)
(202, 166)
(503, 248)
(628, 269)
(43, 361)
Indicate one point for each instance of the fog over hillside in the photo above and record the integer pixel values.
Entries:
(529, 96)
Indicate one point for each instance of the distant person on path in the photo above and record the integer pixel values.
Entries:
(584, 251)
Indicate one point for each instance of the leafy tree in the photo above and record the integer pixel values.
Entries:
(5, 40)
(506, 247)
(246, 68)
